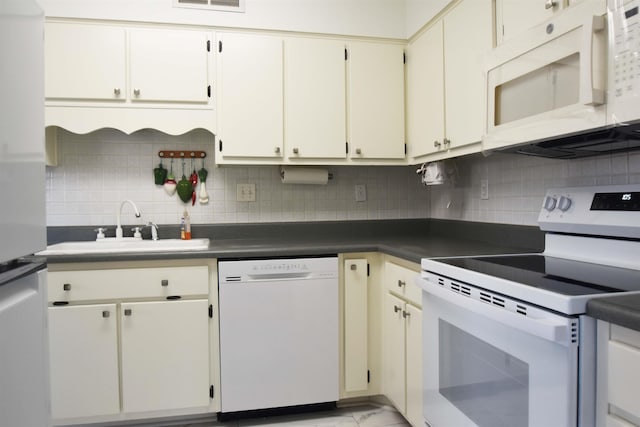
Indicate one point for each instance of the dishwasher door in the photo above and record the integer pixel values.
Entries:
(278, 333)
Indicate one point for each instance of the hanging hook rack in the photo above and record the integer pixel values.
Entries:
(181, 154)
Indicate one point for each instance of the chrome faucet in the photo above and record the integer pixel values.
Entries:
(154, 230)
(118, 223)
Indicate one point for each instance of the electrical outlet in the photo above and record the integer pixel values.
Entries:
(246, 193)
(361, 193)
(484, 189)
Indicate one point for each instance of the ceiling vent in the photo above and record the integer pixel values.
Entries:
(220, 5)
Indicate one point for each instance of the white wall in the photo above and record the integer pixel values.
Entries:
(376, 18)
(98, 170)
(419, 12)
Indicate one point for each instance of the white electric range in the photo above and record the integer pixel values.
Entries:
(506, 341)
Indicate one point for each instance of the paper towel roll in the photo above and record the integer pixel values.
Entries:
(303, 175)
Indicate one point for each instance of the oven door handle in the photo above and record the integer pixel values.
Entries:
(552, 327)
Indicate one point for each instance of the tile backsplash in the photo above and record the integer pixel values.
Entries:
(98, 170)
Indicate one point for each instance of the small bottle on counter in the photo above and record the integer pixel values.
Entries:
(185, 226)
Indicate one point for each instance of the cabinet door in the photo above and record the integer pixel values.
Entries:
(516, 16)
(169, 65)
(315, 92)
(355, 325)
(376, 101)
(414, 365)
(85, 62)
(165, 355)
(249, 96)
(393, 331)
(468, 30)
(83, 349)
(425, 93)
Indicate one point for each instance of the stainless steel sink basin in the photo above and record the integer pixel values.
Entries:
(112, 245)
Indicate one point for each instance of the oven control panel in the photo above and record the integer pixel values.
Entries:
(603, 210)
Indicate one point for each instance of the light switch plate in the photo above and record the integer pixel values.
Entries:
(246, 193)
(361, 193)
(484, 189)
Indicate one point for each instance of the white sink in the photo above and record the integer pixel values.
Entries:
(112, 245)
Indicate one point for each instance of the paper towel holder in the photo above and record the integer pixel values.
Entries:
(307, 174)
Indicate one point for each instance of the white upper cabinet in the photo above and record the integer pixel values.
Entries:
(425, 92)
(169, 65)
(468, 36)
(315, 90)
(446, 83)
(128, 77)
(376, 101)
(85, 62)
(249, 97)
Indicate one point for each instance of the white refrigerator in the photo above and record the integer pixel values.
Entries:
(24, 383)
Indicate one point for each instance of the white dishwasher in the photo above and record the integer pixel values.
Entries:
(278, 333)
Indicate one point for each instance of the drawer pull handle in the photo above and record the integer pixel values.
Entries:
(106, 314)
(173, 297)
(354, 267)
(405, 314)
(396, 309)
(66, 287)
(127, 312)
(401, 283)
(164, 282)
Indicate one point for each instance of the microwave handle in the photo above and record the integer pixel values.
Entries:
(552, 328)
(588, 94)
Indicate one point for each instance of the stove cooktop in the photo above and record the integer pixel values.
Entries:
(558, 284)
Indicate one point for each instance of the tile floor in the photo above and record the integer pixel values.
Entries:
(364, 415)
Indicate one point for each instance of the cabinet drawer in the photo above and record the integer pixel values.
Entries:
(624, 376)
(128, 283)
(401, 280)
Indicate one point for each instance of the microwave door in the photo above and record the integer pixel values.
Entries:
(551, 87)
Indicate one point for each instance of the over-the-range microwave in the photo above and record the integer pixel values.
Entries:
(569, 87)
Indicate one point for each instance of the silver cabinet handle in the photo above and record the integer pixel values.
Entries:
(66, 286)
(116, 91)
(295, 150)
(550, 3)
(401, 283)
(164, 282)
(127, 312)
(106, 313)
(446, 142)
(405, 314)
(354, 267)
(396, 309)
(277, 150)
(358, 151)
(136, 92)
(436, 144)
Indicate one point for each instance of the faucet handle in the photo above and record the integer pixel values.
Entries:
(154, 230)
(100, 231)
(136, 233)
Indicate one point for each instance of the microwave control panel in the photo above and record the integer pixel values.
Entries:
(624, 81)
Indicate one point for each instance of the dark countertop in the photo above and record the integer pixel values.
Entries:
(623, 310)
(411, 239)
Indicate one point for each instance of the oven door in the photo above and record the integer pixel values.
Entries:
(487, 366)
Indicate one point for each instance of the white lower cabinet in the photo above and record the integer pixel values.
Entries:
(402, 338)
(83, 352)
(129, 343)
(165, 363)
(618, 376)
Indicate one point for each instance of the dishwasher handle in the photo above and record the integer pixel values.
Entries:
(278, 276)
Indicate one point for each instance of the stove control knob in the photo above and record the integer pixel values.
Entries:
(550, 203)
(564, 203)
